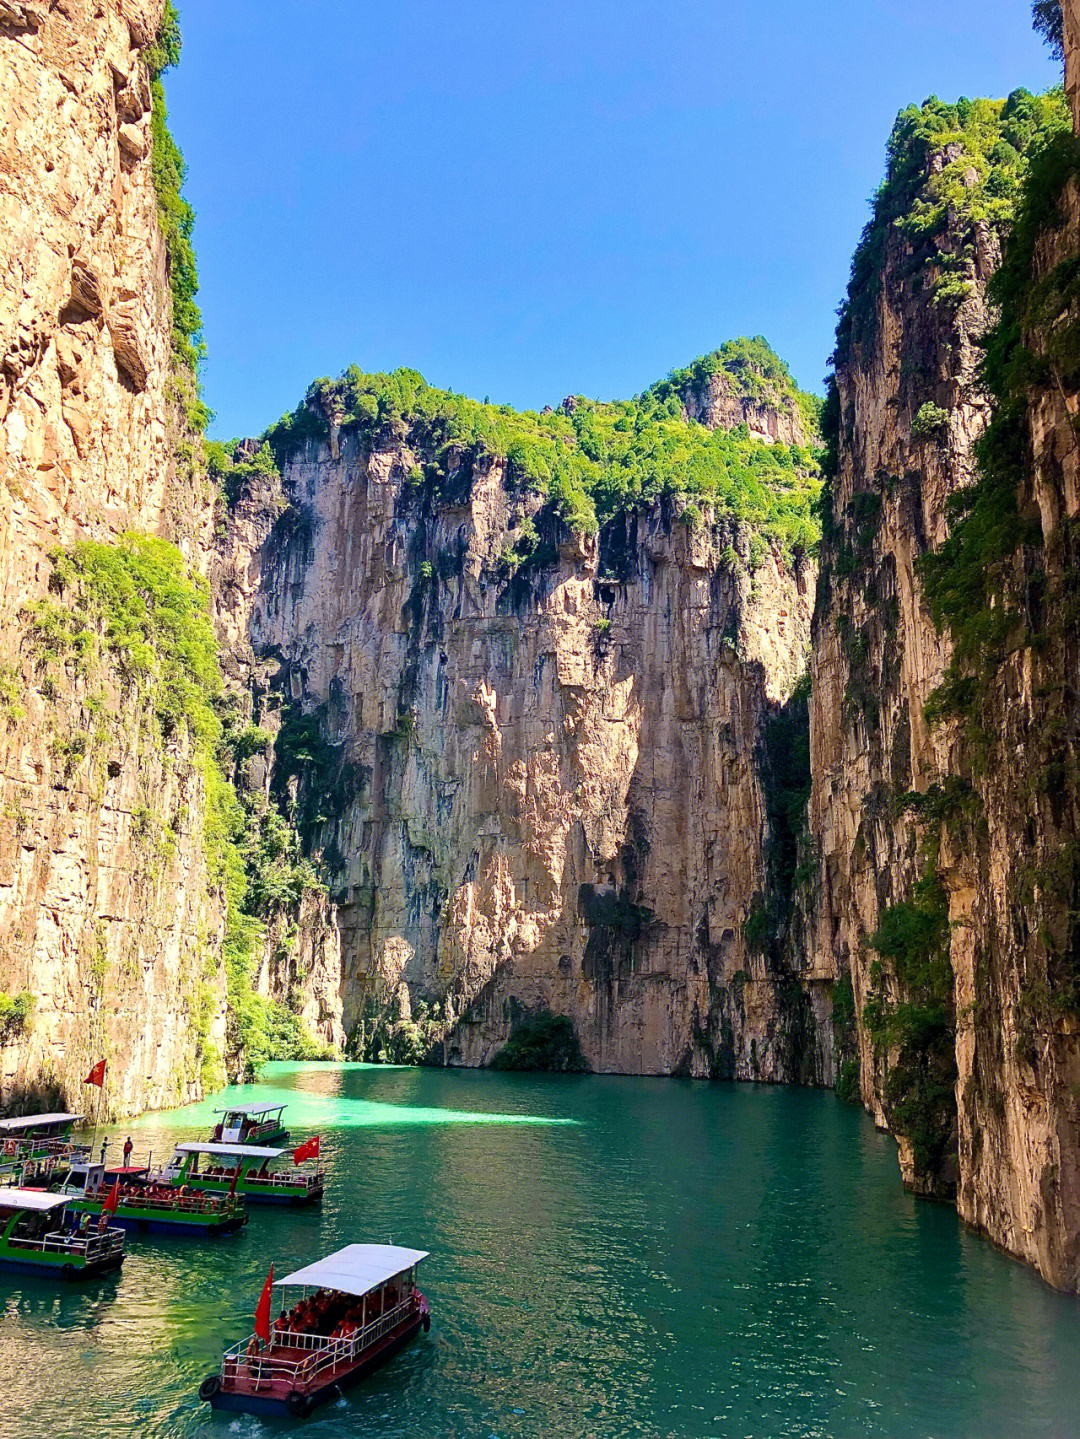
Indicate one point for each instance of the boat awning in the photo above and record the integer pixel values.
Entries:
(252, 1110)
(35, 1199)
(32, 1121)
(357, 1268)
(231, 1151)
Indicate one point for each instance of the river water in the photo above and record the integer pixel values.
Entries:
(610, 1257)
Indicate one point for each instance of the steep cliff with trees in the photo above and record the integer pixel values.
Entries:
(944, 664)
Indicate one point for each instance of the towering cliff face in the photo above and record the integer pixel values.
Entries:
(530, 755)
(106, 919)
(943, 801)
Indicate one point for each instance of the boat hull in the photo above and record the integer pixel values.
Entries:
(143, 1223)
(295, 1197)
(270, 1406)
(55, 1269)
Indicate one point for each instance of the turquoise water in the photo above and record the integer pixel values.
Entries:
(610, 1257)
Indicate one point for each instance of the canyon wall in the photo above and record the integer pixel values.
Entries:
(944, 806)
(107, 916)
(533, 789)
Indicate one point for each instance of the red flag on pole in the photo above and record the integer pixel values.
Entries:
(262, 1309)
(112, 1199)
(235, 1177)
(308, 1150)
(96, 1075)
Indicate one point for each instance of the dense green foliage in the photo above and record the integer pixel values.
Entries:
(915, 1032)
(983, 149)
(1050, 23)
(15, 1012)
(590, 459)
(543, 1041)
(136, 602)
(844, 1039)
(232, 473)
(752, 370)
(967, 580)
(177, 220)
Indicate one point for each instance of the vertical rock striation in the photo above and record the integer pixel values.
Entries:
(104, 926)
(944, 671)
(534, 783)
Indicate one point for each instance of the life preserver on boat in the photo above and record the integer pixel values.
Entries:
(210, 1386)
(69, 1272)
(11, 1146)
(297, 1404)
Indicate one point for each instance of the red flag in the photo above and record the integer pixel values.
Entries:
(96, 1075)
(235, 1177)
(308, 1150)
(262, 1309)
(112, 1199)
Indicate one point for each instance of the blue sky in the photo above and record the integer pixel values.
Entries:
(522, 200)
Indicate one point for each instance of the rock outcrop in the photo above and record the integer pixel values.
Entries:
(535, 787)
(110, 927)
(944, 806)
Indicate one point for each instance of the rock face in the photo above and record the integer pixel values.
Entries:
(944, 804)
(540, 790)
(109, 935)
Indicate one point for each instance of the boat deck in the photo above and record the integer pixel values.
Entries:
(286, 1368)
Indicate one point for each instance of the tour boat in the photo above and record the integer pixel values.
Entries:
(258, 1181)
(153, 1208)
(36, 1136)
(365, 1306)
(251, 1124)
(36, 1237)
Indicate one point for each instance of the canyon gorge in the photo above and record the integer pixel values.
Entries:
(716, 733)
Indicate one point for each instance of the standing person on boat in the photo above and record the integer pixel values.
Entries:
(128, 1147)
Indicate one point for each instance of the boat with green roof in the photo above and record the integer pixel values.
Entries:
(152, 1207)
(253, 1171)
(39, 1236)
(251, 1124)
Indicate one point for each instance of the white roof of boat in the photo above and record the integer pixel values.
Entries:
(231, 1151)
(356, 1268)
(31, 1121)
(251, 1109)
(31, 1199)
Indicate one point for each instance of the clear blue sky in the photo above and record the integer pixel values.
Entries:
(522, 200)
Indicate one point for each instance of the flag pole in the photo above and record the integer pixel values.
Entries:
(97, 1112)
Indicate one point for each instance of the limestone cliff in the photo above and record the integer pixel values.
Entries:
(528, 756)
(106, 911)
(943, 807)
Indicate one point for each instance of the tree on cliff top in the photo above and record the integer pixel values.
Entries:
(1048, 20)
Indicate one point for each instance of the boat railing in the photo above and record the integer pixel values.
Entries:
(281, 1178)
(320, 1351)
(62, 1241)
(195, 1203)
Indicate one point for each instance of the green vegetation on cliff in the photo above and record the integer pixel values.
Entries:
(949, 167)
(177, 220)
(1035, 343)
(913, 1032)
(137, 605)
(591, 460)
(544, 1042)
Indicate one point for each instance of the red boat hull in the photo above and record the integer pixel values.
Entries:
(273, 1397)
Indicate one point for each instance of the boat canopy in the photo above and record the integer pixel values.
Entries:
(356, 1269)
(35, 1199)
(251, 1110)
(32, 1121)
(231, 1151)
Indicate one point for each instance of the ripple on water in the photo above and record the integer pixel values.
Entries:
(611, 1259)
